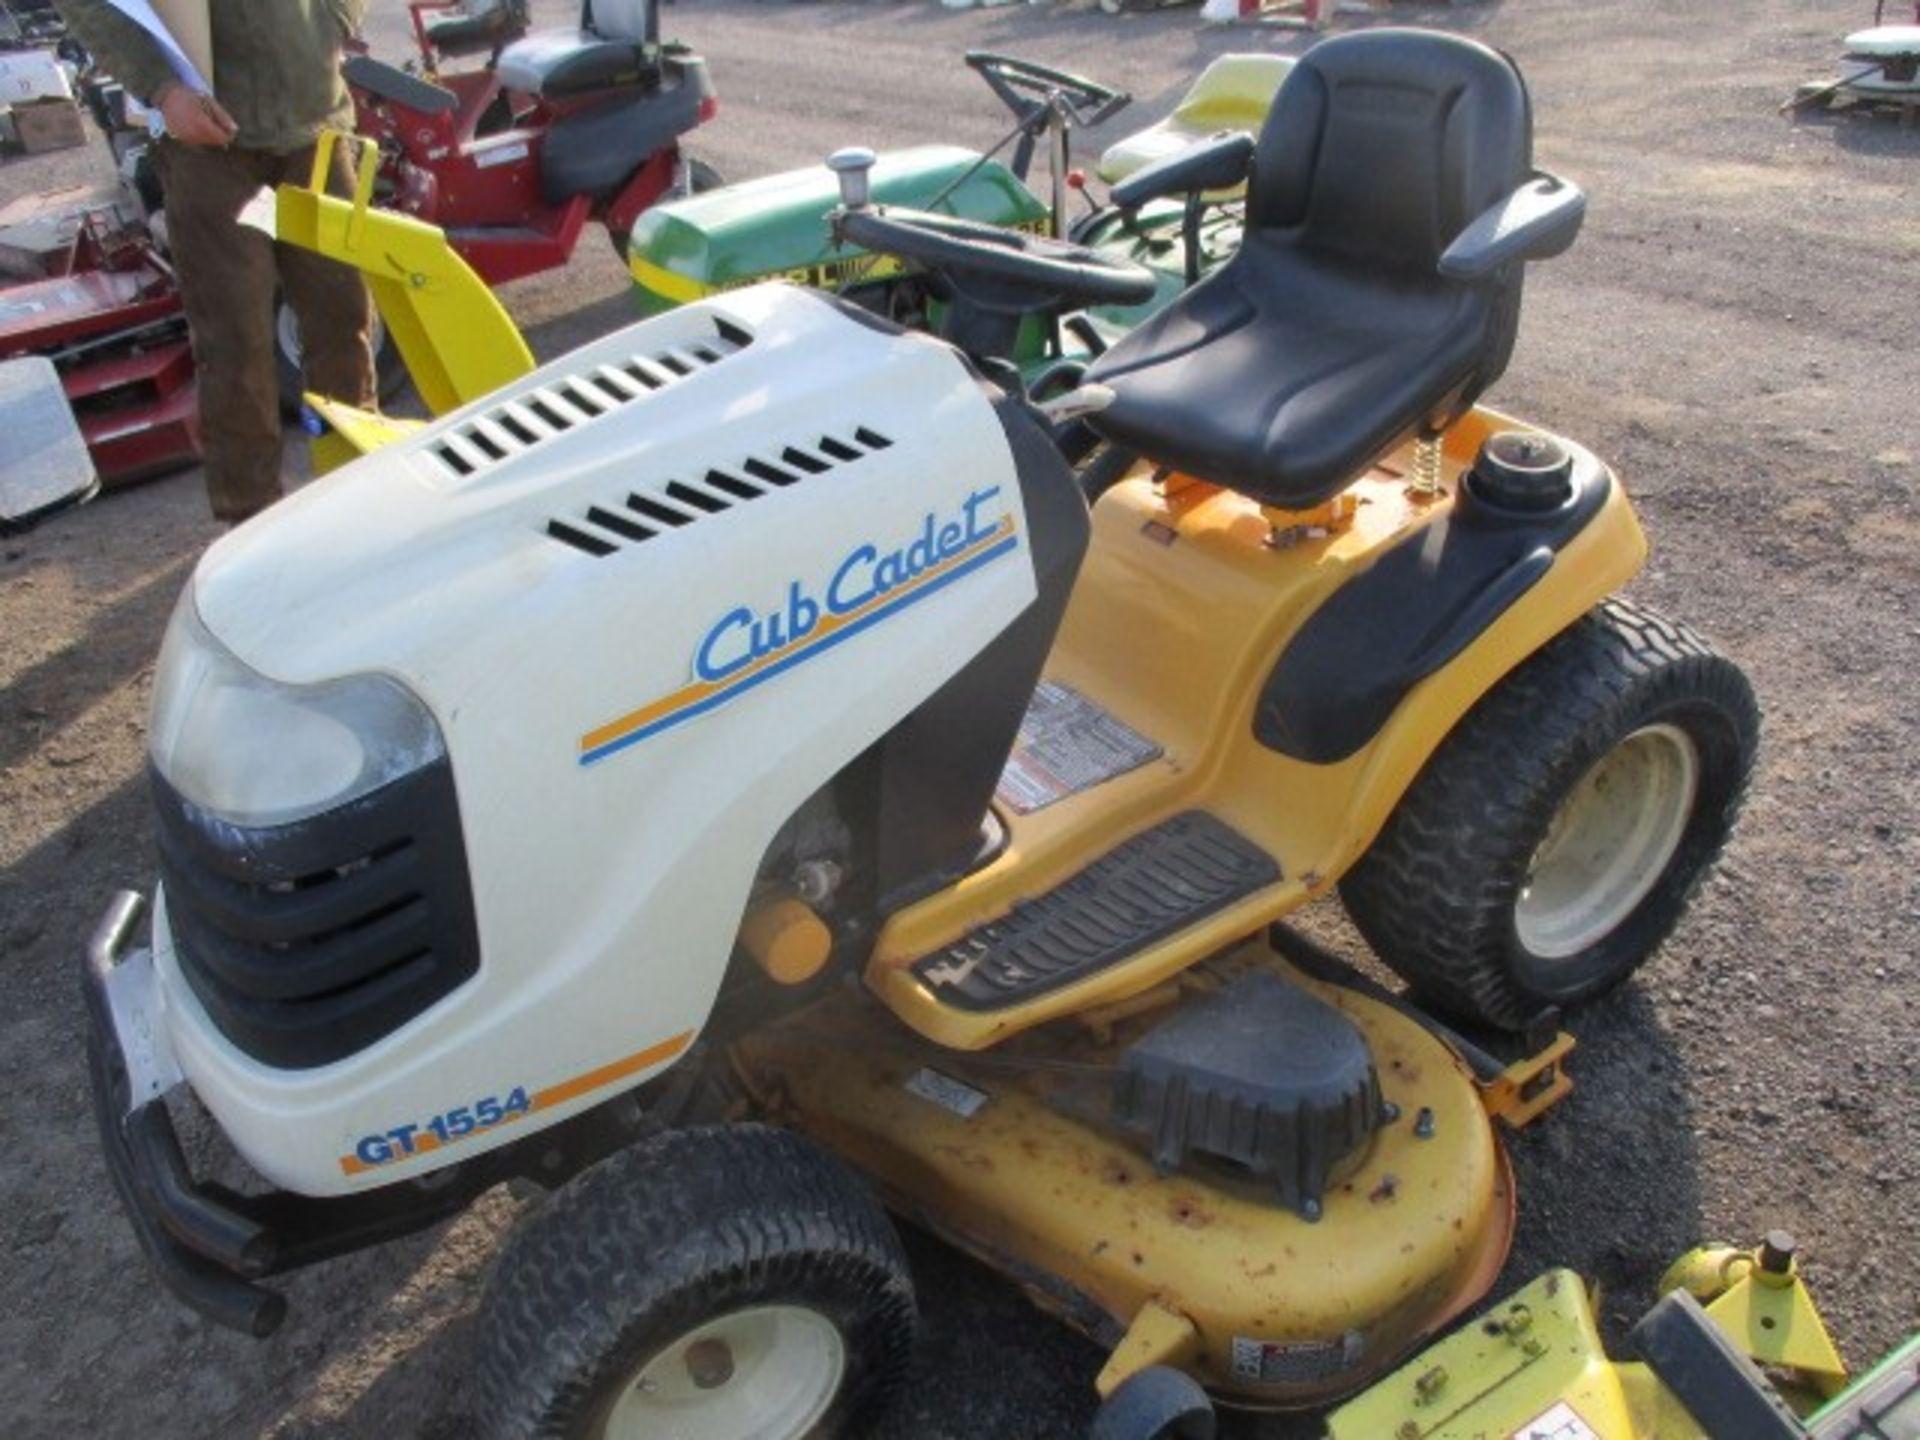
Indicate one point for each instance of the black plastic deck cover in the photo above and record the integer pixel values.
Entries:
(1264, 1074)
(1159, 882)
(1723, 1390)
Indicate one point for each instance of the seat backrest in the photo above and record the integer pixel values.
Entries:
(620, 19)
(1383, 144)
(1233, 93)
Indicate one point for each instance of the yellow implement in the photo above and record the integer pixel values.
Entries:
(1533, 1366)
(456, 338)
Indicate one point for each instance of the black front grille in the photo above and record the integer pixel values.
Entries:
(307, 942)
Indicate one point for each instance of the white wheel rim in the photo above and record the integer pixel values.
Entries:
(1609, 842)
(768, 1373)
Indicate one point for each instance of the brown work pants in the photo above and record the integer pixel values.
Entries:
(229, 276)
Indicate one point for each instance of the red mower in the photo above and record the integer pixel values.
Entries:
(105, 309)
(557, 127)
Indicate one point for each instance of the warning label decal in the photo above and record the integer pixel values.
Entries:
(1068, 744)
(1562, 1422)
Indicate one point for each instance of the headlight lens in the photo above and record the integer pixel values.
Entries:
(257, 752)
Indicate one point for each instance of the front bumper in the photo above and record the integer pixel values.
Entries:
(212, 1244)
(207, 1249)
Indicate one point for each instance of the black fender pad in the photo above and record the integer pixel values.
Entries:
(1427, 598)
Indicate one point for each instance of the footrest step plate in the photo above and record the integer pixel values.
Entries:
(1183, 870)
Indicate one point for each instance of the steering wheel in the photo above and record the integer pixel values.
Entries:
(1023, 86)
(998, 270)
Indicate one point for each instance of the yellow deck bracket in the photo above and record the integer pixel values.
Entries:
(352, 431)
(1157, 1336)
(1287, 527)
(1528, 1088)
(1768, 1313)
(454, 335)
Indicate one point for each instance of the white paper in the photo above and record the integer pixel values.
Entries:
(261, 213)
(141, 13)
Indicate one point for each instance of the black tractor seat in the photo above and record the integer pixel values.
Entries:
(557, 64)
(390, 82)
(594, 150)
(1338, 329)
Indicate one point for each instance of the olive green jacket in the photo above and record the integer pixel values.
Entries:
(276, 63)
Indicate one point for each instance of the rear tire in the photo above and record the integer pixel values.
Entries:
(1557, 834)
(735, 1276)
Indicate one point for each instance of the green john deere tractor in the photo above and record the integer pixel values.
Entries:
(1160, 211)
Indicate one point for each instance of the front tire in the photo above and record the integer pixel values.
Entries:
(720, 1283)
(1557, 834)
(389, 370)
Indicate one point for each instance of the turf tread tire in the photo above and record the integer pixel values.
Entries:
(668, 1234)
(1434, 894)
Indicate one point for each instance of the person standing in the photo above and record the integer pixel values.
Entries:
(276, 85)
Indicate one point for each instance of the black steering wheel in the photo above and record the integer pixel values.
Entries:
(1024, 86)
(998, 270)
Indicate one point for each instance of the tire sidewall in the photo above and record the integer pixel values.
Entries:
(669, 1234)
(1721, 745)
(641, 1341)
(389, 370)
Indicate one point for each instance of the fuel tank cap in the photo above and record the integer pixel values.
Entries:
(1523, 470)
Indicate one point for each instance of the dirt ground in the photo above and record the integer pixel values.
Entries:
(1735, 330)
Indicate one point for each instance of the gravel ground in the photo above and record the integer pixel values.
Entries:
(1735, 331)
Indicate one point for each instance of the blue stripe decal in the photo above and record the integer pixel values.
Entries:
(820, 647)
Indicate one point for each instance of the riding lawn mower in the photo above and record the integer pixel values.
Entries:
(733, 777)
(769, 227)
(555, 128)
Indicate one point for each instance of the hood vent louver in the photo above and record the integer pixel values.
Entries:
(512, 427)
(603, 530)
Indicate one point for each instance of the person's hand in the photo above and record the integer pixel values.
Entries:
(193, 118)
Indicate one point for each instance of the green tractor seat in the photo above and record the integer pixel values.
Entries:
(1233, 93)
(1392, 208)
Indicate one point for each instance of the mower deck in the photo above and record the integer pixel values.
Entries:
(118, 335)
(1014, 1156)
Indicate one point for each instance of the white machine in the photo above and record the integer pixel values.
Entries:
(599, 488)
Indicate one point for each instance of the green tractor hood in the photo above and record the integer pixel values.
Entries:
(775, 227)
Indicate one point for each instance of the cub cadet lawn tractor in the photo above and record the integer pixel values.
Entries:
(730, 774)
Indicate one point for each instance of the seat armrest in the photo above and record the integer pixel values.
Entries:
(1216, 163)
(1536, 222)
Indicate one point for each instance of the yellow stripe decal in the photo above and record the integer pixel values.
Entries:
(664, 283)
(423, 1139)
(704, 695)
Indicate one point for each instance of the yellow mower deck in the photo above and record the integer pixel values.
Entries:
(1534, 1366)
(1010, 1156)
